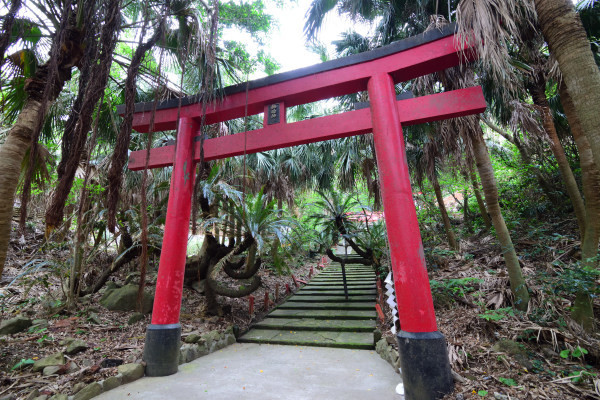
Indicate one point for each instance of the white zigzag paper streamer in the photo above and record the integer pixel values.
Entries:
(389, 285)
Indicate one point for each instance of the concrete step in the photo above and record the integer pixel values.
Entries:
(328, 306)
(336, 292)
(319, 287)
(304, 324)
(348, 269)
(348, 340)
(361, 276)
(324, 314)
(339, 279)
(331, 299)
(367, 284)
(333, 289)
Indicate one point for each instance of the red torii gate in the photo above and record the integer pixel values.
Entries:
(425, 368)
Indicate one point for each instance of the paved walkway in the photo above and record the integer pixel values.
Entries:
(247, 371)
(320, 315)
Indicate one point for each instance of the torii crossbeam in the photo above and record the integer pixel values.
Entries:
(425, 368)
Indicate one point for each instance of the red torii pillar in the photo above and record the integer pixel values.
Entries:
(425, 368)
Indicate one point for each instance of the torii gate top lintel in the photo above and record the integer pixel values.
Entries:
(425, 368)
(403, 60)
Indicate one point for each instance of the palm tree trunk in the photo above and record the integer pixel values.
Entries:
(7, 25)
(466, 213)
(11, 155)
(490, 191)
(276, 243)
(525, 153)
(568, 43)
(480, 204)
(583, 312)
(447, 225)
(538, 93)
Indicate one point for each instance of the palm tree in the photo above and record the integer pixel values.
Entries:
(333, 219)
(425, 155)
(568, 43)
(42, 91)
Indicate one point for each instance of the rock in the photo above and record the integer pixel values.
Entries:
(111, 363)
(130, 372)
(73, 367)
(111, 383)
(54, 359)
(91, 390)
(192, 338)
(51, 370)
(135, 317)
(39, 323)
(377, 335)
(198, 286)
(514, 349)
(77, 387)
(76, 346)
(549, 352)
(229, 339)
(124, 299)
(66, 341)
(59, 397)
(94, 318)
(499, 396)
(212, 336)
(188, 353)
(14, 325)
(42, 397)
(87, 363)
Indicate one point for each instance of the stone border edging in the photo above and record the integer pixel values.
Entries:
(193, 347)
(388, 353)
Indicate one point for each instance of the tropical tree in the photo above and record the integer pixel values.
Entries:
(568, 43)
(42, 90)
(261, 224)
(333, 218)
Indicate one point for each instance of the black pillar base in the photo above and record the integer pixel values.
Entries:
(426, 371)
(161, 351)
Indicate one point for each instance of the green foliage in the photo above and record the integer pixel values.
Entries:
(574, 279)
(507, 381)
(261, 220)
(248, 16)
(497, 315)
(577, 352)
(22, 364)
(459, 287)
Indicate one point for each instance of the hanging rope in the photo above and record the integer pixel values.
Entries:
(245, 147)
(206, 89)
(144, 200)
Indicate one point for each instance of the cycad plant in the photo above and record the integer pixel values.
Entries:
(333, 219)
(231, 270)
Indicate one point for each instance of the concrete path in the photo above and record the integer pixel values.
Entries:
(320, 315)
(248, 371)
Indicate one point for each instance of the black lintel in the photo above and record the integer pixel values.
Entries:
(400, 96)
(380, 52)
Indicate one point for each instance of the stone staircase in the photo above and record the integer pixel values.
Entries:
(319, 314)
